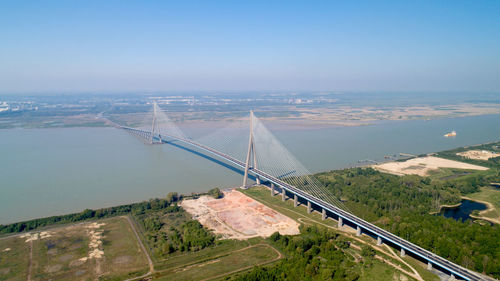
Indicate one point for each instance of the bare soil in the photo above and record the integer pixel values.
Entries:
(422, 165)
(479, 154)
(238, 216)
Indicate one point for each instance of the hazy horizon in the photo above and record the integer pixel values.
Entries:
(126, 46)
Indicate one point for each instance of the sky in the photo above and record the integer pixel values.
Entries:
(133, 46)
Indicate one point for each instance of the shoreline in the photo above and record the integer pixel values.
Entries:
(441, 207)
(489, 207)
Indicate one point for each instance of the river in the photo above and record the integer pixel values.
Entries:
(47, 172)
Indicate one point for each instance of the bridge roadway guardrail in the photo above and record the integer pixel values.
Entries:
(407, 246)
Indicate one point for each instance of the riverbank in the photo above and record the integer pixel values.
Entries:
(454, 206)
(489, 208)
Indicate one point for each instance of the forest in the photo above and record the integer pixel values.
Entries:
(172, 230)
(402, 205)
(316, 254)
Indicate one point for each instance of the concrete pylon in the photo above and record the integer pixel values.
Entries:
(403, 252)
(272, 189)
(340, 223)
(379, 241)
(358, 231)
(323, 214)
(295, 200)
(283, 194)
(308, 207)
(251, 148)
(429, 265)
(155, 129)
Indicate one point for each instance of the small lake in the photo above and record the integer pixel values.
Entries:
(463, 211)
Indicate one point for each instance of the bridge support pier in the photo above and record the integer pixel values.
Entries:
(379, 241)
(340, 223)
(295, 200)
(272, 189)
(429, 265)
(403, 252)
(308, 207)
(323, 214)
(283, 195)
(452, 278)
(358, 231)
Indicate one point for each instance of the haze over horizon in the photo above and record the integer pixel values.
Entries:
(111, 46)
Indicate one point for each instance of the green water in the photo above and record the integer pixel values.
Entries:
(47, 172)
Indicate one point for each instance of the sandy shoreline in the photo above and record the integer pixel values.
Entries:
(421, 166)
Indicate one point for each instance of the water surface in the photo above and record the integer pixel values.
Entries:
(47, 172)
(463, 211)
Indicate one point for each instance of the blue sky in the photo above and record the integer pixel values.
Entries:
(78, 46)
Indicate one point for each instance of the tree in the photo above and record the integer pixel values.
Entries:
(172, 197)
(216, 193)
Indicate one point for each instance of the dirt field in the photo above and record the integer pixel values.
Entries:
(422, 165)
(83, 251)
(479, 154)
(239, 216)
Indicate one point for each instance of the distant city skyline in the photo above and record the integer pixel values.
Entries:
(130, 46)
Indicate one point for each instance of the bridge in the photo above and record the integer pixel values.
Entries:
(313, 197)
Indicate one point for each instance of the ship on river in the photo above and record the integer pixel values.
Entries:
(451, 134)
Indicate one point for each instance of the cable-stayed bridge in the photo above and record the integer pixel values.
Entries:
(271, 164)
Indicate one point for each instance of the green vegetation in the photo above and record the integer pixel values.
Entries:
(172, 230)
(319, 254)
(153, 204)
(371, 194)
(370, 270)
(14, 262)
(492, 162)
(233, 261)
(491, 195)
(122, 256)
(88, 214)
(402, 205)
(215, 193)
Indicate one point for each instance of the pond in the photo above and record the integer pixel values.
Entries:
(463, 211)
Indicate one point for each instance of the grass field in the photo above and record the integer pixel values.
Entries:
(221, 265)
(64, 253)
(491, 195)
(14, 259)
(57, 257)
(122, 254)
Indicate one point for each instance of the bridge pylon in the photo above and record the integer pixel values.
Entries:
(155, 127)
(251, 153)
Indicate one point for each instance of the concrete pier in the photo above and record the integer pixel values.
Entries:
(283, 195)
(379, 241)
(308, 207)
(295, 200)
(429, 265)
(403, 252)
(323, 214)
(358, 231)
(272, 189)
(340, 222)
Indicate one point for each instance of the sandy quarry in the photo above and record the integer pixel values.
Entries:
(238, 216)
(479, 154)
(422, 165)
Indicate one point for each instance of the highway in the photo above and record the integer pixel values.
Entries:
(455, 269)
